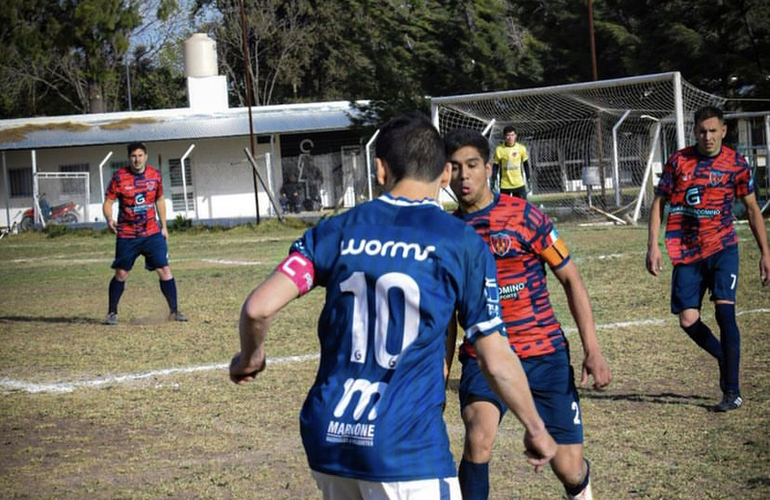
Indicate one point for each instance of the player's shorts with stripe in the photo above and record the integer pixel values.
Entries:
(552, 382)
(717, 272)
(343, 488)
(154, 249)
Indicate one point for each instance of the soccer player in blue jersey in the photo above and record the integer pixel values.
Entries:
(394, 269)
(701, 183)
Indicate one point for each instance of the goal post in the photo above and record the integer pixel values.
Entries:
(606, 127)
(58, 189)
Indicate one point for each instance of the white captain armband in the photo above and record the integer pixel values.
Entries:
(299, 270)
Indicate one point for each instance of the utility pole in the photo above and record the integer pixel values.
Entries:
(247, 70)
(595, 76)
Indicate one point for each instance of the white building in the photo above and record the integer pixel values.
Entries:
(310, 144)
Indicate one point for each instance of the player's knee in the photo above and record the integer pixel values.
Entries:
(688, 318)
(164, 273)
(571, 473)
(478, 446)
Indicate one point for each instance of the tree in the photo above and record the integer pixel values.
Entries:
(68, 55)
(720, 47)
(279, 35)
(157, 80)
(28, 30)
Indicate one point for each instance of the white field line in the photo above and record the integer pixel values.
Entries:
(18, 385)
(70, 260)
(233, 262)
(9, 385)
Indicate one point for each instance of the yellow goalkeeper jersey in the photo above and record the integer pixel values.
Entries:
(511, 161)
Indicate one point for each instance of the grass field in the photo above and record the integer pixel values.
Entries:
(145, 410)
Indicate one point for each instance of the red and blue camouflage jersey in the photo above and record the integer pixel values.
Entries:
(523, 240)
(137, 194)
(701, 192)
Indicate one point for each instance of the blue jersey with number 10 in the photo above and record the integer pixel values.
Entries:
(394, 272)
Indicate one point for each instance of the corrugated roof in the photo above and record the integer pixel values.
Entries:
(171, 124)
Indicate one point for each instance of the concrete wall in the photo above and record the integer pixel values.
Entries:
(221, 177)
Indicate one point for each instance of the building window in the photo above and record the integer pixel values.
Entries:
(21, 182)
(73, 186)
(114, 167)
(177, 202)
(175, 172)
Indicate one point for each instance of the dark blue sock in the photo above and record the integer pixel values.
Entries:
(577, 489)
(702, 336)
(731, 345)
(116, 290)
(169, 291)
(474, 480)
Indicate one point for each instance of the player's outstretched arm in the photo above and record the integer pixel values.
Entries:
(594, 363)
(654, 260)
(503, 371)
(257, 313)
(758, 229)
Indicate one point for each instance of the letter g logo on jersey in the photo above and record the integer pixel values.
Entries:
(692, 196)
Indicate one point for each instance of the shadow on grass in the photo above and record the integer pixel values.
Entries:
(57, 319)
(82, 320)
(663, 398)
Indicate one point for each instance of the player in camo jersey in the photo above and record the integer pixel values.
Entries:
(523, 241)
(394, 269)
(141, 229)
(701, 183)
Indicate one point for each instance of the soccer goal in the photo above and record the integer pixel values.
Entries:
(595, 147)
(60, 198)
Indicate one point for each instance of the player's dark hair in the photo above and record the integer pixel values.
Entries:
(509, 128)
(412, 148)
(707, 112)
(462, 137)
(134, 146)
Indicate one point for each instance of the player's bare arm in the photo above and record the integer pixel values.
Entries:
(503, 371)
(758, 229)
(257, 312)
(594, 363)
(654, 260)
(160, 204)
(107, 212)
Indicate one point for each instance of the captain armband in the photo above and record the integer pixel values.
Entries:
(299, 270)
(557, 254)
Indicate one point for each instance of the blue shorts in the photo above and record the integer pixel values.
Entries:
(718, 273)
(153, 248)
(552, 382)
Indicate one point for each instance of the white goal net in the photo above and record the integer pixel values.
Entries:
(594, 147)
(59, 198)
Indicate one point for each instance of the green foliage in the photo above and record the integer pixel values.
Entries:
(52, 230)
(68, 56)
(181, 223)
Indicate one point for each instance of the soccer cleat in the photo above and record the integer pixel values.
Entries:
(730, 401)
(177, 316)
(111, 319)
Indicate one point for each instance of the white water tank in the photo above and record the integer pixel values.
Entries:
(200, 56)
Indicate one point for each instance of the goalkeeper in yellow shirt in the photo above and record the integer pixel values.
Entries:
(511, 162)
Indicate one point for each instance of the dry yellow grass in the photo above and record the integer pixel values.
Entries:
(130, 430)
